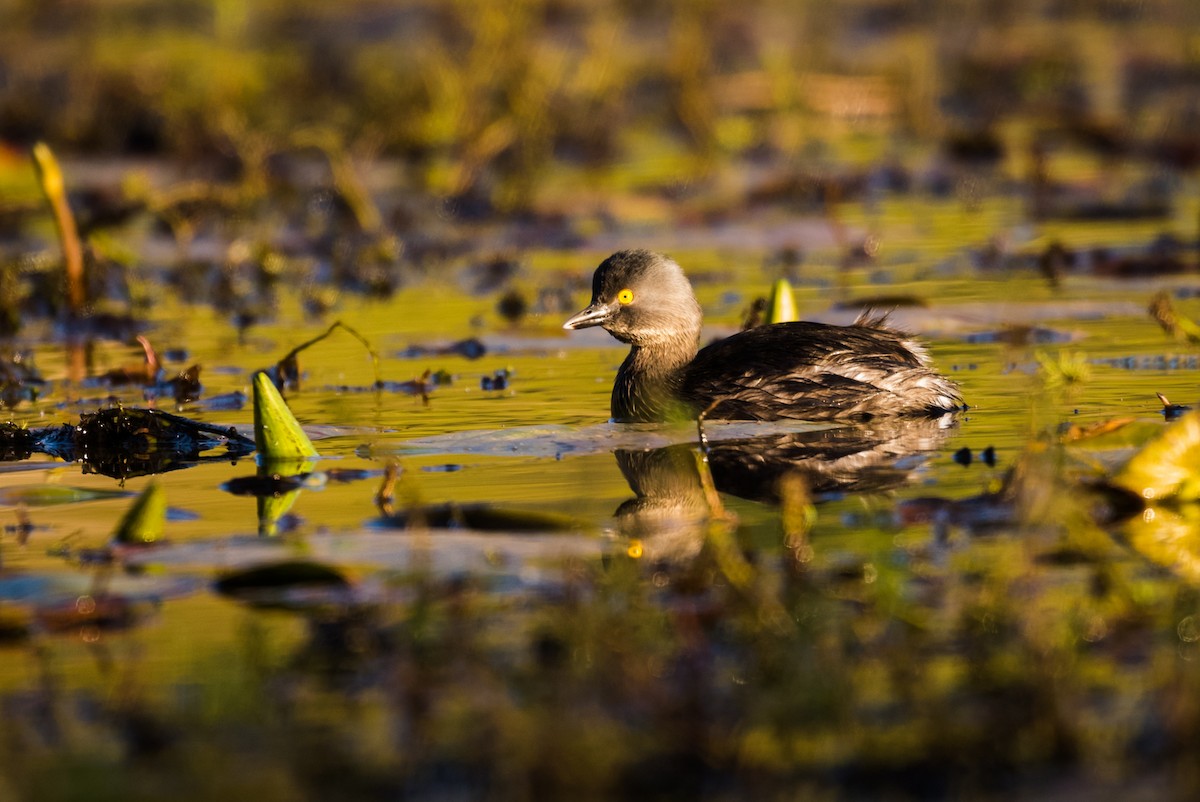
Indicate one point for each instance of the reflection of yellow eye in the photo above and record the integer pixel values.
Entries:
(625, 297)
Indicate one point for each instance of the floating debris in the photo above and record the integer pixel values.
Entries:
(423, 385)
(490, 275)
(286, 372)
(497, 381)
(1171, 411)
(17, 442)
(125, 442)
(346, 475)
(150, 374)
(471, 348)
(19, 381)
(288, 584)
(512, 306)
(1019, 335)
(146, 372)
(1075, 433)
(272, 484)
(1055, 260)
(755, 314)
(226, 402)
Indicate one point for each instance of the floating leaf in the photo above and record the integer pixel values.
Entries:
(53, 495)
(1076, 433)
(144, 521)
(1169, 465)
(277, 433)
(782, 306)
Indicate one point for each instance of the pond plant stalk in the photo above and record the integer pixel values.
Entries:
(50, 178)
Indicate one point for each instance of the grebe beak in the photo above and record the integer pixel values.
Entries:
(597, 314)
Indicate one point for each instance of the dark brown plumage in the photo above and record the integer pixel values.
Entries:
(805, 371)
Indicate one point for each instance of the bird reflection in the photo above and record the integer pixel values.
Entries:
(670, 505)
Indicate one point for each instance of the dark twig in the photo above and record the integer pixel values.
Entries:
(288, 367)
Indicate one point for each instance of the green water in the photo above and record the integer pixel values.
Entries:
(873, 598)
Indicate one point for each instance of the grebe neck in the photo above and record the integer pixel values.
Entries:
(649, 379)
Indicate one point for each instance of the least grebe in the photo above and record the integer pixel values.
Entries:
(801, 370)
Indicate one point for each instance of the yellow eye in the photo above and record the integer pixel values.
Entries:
(625, 297)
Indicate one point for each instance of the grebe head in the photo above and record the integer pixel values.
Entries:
(641, 298)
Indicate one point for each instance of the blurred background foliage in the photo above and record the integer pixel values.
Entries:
(487, 100)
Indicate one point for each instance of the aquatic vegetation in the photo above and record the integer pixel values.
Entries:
(144, 521)
(1064, 372)
(286, 372)
(277, 433)
(1178, 326)
(781, 306)
(19, 378)
(1167, 469)
(1171, 411)
(537, 604)
(125, 442)
(285, 455)
(54, 186)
